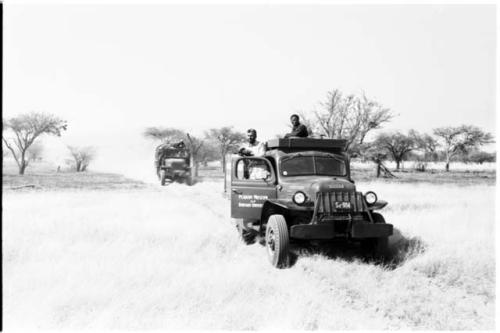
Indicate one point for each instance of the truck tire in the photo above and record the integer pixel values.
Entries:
(277, 241)
(189, 180)
(163, 177)
(376, 248)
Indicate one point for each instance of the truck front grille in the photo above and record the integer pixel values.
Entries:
(328, 203)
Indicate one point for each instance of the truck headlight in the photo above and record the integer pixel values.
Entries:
(370, 197)
(299, 197)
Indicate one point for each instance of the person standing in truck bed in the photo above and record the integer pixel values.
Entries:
(298, 130)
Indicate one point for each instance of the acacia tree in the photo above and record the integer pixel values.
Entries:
(428, 144)
(226, 139)
(208, 152)
(82, 156)
(164, 134)
(397, 144)
(461, 139)
(348, 117)
(372, 151)
(34, 152)
(20, 132)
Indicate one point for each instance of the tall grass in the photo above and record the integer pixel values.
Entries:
(169, 258)
(430, 166)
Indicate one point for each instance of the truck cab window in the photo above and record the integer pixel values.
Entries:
(252, 169)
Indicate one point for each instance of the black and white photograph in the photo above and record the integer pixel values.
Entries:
(264, 165)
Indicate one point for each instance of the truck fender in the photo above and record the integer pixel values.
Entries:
(378, 205)
(271, 207)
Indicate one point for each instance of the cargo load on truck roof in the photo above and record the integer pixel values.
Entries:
(298, 144)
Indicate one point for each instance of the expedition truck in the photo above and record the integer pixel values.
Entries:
(301, 189)
(172, 162)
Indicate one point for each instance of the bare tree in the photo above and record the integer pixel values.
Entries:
(372, 115)
(227, 139)
(194, 145)
(164, 134)
(397, 144)
(82, 156)
(20, 132)
(348, 117)
(461, 139)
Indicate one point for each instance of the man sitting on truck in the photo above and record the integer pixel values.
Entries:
(298, 130)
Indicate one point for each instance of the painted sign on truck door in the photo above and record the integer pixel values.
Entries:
(252, 183)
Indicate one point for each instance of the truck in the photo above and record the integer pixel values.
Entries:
(172, 162)
(301, 190)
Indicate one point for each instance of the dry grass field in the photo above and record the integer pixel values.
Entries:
(141, 256)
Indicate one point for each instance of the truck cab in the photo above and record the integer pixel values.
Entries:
(301, 189)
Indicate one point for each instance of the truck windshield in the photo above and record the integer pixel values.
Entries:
(169, 153)
(313, 165)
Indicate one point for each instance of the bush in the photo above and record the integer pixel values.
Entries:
(481, 157)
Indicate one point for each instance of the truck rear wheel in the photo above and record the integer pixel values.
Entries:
(163, 177)
(277, 241)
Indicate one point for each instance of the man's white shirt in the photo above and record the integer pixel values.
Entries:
(257, 148)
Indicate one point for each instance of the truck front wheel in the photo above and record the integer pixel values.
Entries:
(163, 177)
(189, 179)
(376, 247)
(277, 241)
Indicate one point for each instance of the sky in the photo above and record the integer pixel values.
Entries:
(112, 70)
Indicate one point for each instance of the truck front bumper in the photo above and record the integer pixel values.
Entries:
(175, 172)
(327, 231)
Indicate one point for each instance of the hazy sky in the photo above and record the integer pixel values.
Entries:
(112, 70)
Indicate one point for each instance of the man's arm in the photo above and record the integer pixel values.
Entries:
(244, 152)
(302, 131)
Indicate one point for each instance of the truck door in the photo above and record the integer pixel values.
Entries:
(253, 181)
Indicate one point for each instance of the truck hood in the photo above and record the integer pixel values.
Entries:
(332, 185)
(314, 184)
(175, 162)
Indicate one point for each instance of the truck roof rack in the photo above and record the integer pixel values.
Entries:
(306, 143)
